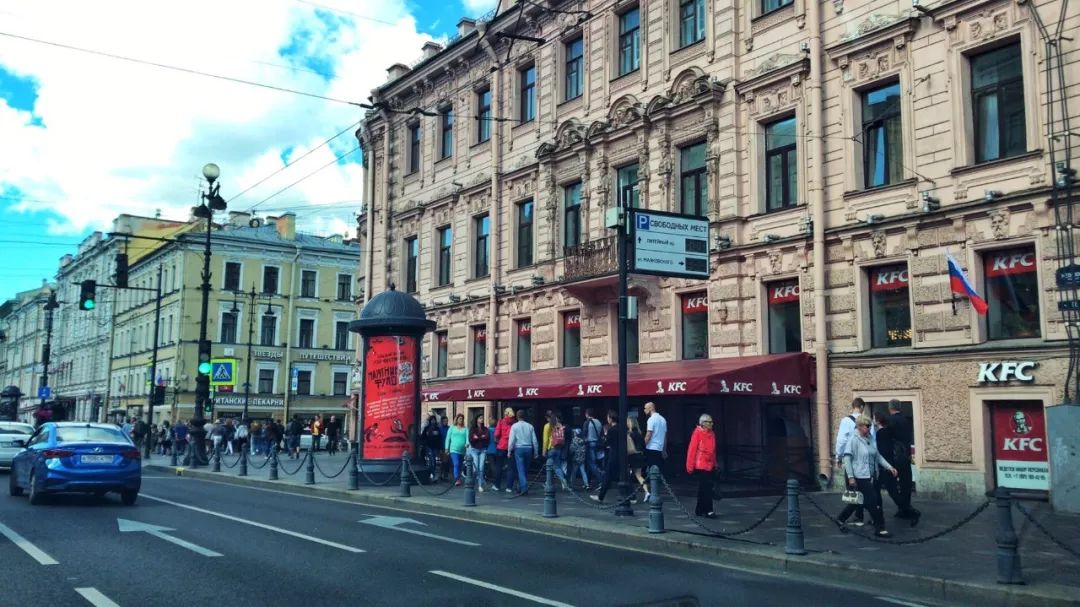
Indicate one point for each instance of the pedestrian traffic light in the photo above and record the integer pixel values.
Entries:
(208, 407)
(87, 294)
(122, 270)
(204, 357)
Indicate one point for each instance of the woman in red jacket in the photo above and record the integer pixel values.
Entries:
(701, 463)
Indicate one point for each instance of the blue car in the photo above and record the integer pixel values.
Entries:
(74, 457)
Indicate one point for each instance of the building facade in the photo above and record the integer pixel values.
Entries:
(839, 151)
(23, 346)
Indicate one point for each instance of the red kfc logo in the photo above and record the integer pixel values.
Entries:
(784, 292)
(697, 303)
(1005, 263)
(572, 320)
(889, 278)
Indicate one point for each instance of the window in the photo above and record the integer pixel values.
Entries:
(307, 333)
(1012, 289)
(479, 351)
(307, 283)
(442, 353)
(266, 381)
(781, 168)
(344, 287)
(483, 116)
(446, 243)
(627, 181)
(575, 72)
(784, 328)
(694, 192)
(890, 307)
(228, 327)
(414, 148)
(341, 335)
(270, 279)
(571, 339)
(768, 6)
(412, 254)
(527, 98)
(691, 22)
(523, 347)
(232, 276)
(268, 330)
(695, 325)
(629, 41)
(882, 139)
(446, 131)
(303, 382)
(524, 233)
(482, 230)
(997, 100)
(572, 214)
(341, 383)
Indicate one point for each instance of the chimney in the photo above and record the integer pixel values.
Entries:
(239, 219)
(286, 226)
(396, 71)
(430, 49)
(466, 26)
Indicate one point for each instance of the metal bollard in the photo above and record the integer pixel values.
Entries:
(192, 457)
(550, 507)
(243, 460)
(794, 534)
(406, 489)
(173, 457)
(470, 482)
(354, 473)
(1008, 559)
(217, 459)
(273, 463)
(656, 503)
(309, 475)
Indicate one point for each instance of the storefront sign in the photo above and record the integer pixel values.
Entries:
(1015, 261)
(525, 329)
(254, 401)
(331, 356)
(1001, 372)
(695, 303)
(271, 354)
(889, 278)
(783, 292)
(1020, 451)
(480, 335)
(572, 320)
(389, 397)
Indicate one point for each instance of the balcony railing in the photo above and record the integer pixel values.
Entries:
(590, 259)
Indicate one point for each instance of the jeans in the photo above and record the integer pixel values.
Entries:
(478, 456)
(871, 490)
(555, 456)
(592, 460)
(577, 469)
(523, 457)
(611, 474)
(504, 464)
(431, 457)
(315, 440)
(455, 460)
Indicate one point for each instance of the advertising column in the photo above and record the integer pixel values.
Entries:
(1020, 448)
(390, 397)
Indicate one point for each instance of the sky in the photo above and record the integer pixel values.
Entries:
(84, 138)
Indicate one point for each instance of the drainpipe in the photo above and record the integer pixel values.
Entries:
(817, 205)
(495, 211)
(369, 211)
(288, 330)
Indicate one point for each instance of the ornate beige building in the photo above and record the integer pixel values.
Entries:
(838, 149)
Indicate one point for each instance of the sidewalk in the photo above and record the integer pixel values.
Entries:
(958, 568)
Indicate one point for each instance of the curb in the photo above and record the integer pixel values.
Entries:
(751, 559)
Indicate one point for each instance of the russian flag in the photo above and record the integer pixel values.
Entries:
(962, 286)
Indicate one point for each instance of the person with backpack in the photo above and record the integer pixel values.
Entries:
(241, 434)
(431, 444)
(555, 448)
(292, 436)
(888, 447)
(478, 444)
(577, 459)
(591, 432)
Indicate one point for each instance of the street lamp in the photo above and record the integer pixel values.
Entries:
(252, 296)
(212, 201)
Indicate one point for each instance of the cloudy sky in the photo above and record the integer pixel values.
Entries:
(85, 137)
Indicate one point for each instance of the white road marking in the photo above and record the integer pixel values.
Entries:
(502, 589)
(36, 553)
(95, 598)
(395, 522)
(237, 519)
(888, 599)
(127, 526)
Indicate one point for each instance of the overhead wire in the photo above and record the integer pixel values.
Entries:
(337, 159)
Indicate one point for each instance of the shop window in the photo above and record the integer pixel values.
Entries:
(695, 325)
(479, 353)
(442, 353)
(571, 339)
(785, 332)
(997, 101)
(890, 306)
(523, 347)
(1012, 289)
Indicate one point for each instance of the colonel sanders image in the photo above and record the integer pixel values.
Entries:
(1020, 423)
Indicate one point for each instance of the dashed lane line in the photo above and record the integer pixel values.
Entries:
(95, 598)
(519, 594)
(36, 553)
(889, 599)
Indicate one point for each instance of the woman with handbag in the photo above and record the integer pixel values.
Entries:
(862, 462)
(701, 464)
(635, 454)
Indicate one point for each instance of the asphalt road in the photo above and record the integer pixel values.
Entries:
(246, 546)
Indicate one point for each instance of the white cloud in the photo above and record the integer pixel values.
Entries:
(118, 137)
(476, 8)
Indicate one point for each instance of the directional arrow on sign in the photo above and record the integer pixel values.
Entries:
(127, 526)
(396, 522)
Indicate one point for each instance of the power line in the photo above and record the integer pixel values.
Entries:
(332, 162)
(345, 12)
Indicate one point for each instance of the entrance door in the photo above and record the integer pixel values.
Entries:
(787, 450)
(1020, 451)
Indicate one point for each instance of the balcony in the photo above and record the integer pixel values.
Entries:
(590, 259)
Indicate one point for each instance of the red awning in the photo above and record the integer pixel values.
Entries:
(771, 375)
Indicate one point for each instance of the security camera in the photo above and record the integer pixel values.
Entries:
(929, 203)
(992, 194)
(872, 218)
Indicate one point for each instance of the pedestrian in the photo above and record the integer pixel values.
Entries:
(545, 440)
(635, 452)
(292, 436)
(444, 429)
(556, 448)
(165, 438)
(591, 431)
(843, 434)
(504, 463)
(478, 445)
(316, 432)
(524, 447)
(180, 436)
(577, 459)
(607, 443)
(492, 448)
(888, 446)
(128, 427)
(861, 463)
(333, 435)
(701, 464)
(230, 435)
(431, 444)
(243, 434)
(655, 439)
(457, 437)
(257, 435)
(904, 437)
(273, 437)
(217, 434)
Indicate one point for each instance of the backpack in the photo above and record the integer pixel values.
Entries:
(577, 447)
(558, 436)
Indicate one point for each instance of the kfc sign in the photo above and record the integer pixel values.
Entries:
(480, 335)
(1002, 372)
(889, 278)
(431, 396)
(524, 328)
(1006, 263)
(695, 303)
(589, 389)
(572, 320)
(783, 292)
(1020, 454)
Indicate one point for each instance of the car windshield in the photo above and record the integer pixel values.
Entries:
(89, 434)
(16, 429)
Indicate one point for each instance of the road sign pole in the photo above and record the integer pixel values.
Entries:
(623, 509)
(153, 368)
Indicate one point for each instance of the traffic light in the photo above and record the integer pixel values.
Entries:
(87, 294)
(208, 407)
(122, 270)
(204, 357)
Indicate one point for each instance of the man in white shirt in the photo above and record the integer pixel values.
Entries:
(844, 434)
(524, 447)
(655, 437)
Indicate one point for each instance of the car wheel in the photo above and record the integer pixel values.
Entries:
(13, 488)
(128, 496)
(36, 496)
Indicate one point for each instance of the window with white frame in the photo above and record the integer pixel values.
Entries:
(695, 325)
(1012, 293)
(572, 214)
(523, 344)
(691, 22)
(571, 338)
(890, 306)
(882, 136)
(629, 41)
(997, 102)
(785, 330)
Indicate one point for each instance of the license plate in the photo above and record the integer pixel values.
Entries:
(96, 459)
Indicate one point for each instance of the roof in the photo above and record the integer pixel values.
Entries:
(268, 234)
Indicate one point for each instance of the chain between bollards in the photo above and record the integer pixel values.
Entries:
(354, 472)
(273, 463)
(406, 488)
(794, 533)
(656, 502)
(550, 507)
(309, 475)
(243, 460)
(1008, 558)
(470, 482)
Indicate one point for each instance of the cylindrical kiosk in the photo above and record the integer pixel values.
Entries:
(391, 326)
(9, 403)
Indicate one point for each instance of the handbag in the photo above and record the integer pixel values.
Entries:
(852, 497)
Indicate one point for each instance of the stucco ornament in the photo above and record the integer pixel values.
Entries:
(775, 261)
(877, 240)
(999, 224)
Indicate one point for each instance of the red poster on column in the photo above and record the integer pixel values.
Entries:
(1020, 452)
(389, 397)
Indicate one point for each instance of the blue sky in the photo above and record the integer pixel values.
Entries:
(87, 138)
